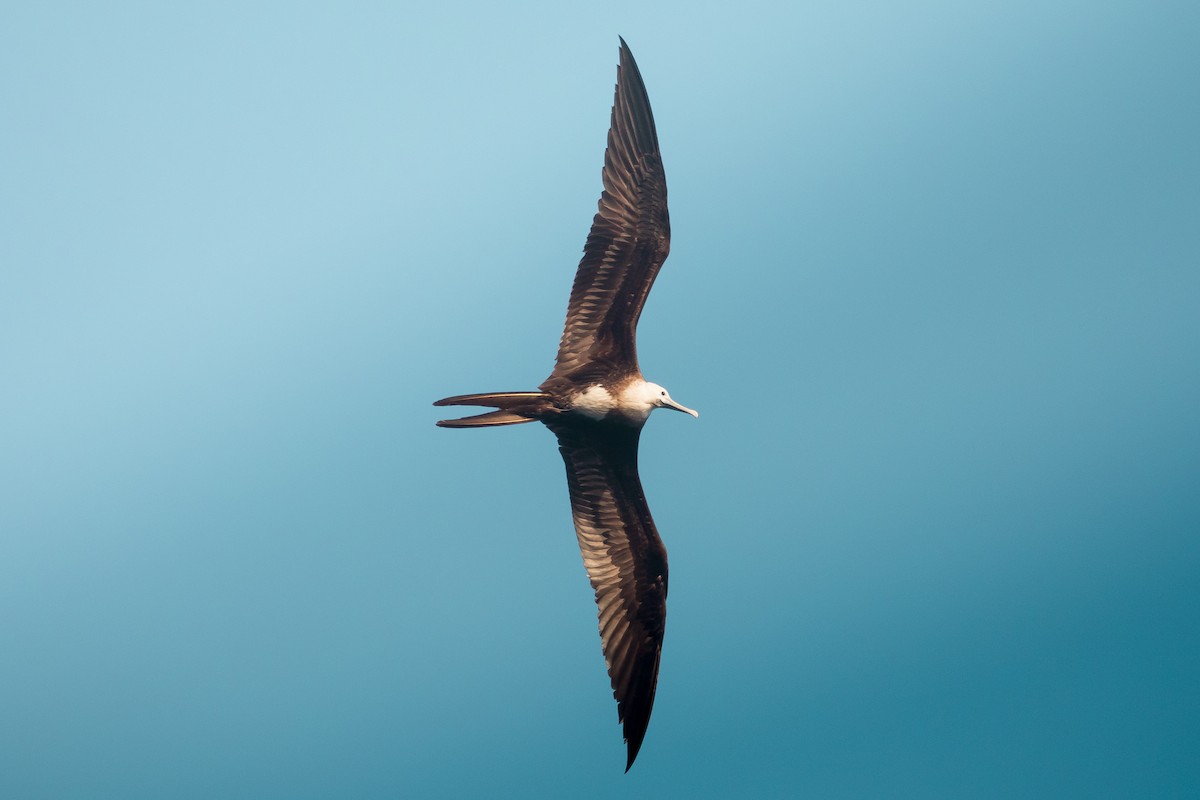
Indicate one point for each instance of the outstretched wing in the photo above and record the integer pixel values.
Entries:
(625, 560)
(629, 240)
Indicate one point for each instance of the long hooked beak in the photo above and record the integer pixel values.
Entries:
(669, 403)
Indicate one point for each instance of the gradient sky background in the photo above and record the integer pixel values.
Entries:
(934, 286)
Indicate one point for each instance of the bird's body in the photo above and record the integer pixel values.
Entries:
(596, 402)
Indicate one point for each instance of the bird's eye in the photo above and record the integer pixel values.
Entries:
(664, 394)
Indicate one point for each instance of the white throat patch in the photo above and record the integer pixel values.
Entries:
(594, 402)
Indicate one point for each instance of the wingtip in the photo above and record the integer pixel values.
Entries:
(633, 754)
(633, 747)
(626, 53)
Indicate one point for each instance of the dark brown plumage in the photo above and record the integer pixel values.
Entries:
(626, 563)
(596, 402)
(629, 240)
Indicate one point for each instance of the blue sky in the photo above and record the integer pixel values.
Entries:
(933, 286)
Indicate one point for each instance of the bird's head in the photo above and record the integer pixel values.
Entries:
(649, 396)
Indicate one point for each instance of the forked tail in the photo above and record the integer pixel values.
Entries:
(514, 408)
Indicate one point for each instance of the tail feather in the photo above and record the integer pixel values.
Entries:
(514, 408)
(493, 399)
(489, 419)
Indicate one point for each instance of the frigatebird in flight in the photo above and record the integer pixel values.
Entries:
(596, 402)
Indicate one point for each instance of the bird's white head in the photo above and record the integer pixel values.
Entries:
(642, 397)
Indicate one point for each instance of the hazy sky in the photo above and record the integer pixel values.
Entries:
(934, 287)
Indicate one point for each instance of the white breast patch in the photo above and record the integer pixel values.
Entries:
(594, 402)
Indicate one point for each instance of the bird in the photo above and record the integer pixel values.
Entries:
(596, 401)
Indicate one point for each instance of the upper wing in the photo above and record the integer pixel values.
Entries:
(626, 563)
(629, 240)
